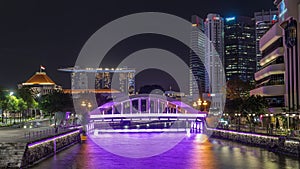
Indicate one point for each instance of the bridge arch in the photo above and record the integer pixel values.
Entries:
(146, 105)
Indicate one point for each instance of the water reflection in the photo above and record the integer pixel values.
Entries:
(190, 153)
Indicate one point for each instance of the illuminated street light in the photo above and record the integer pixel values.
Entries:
(199, 102)
(205, 104)
(195, 104)
(83, 104)
(89, 105)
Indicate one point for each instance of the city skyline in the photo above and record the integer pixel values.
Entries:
(54, 39)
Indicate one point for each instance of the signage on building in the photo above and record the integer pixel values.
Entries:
(282, 9)
(291, 33)
(230, 19)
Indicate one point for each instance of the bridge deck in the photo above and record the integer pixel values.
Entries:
(152, 116)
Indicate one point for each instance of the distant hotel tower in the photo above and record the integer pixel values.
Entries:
(197, 84)
(82, 78)
(240, 54)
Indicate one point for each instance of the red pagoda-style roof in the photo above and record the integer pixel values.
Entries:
(40, 78)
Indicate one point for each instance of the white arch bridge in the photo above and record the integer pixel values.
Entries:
(146, 107)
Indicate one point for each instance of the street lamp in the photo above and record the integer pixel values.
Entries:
(253, 115)
(83, 104)
(199, 103)
(238, 115)
(195, 104)
(88, 105)
(288, 121)
(205, 104)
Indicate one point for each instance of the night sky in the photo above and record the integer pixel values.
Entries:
(48, 33)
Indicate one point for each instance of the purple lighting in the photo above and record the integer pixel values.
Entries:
(51, 139)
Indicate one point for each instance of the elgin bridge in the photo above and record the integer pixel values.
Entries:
(146, 113)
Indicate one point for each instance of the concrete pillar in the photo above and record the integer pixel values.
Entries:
(130, 106)
(167, 107)
(122, 108)
(176, 110)
(112, 109)
(140, 105)
(158, 106)
(149, 105)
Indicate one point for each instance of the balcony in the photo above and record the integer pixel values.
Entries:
(270, 37)
(265, 91)
(274, 55)
(270, 70)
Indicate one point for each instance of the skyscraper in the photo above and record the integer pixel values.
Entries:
(197, 44)
(263, 22)
(240, 54)
(214, 60)
(214, 53)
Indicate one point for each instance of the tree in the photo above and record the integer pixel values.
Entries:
(56, 101)
(3, 104)
(22, 107)
(254, 105)
(13, 105)
(237, 92)
(28, 96)
(237, 88)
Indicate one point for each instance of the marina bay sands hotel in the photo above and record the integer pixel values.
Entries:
(121, 79)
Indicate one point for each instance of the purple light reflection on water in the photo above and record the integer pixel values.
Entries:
(188, 154)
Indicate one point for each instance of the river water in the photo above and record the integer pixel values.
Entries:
(187, 154)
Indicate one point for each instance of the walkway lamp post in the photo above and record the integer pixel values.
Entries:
(205, 104)
(199, 103)
(252, 128)
(87, 106)
(237, 117)
(288, 121)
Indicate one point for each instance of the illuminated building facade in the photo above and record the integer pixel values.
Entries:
(289, 16)
(270, 79)
(121, 79)
(215, 80)
(240, 54)
(40, 83)
(279, 77)
(264, 20)
(197, 84)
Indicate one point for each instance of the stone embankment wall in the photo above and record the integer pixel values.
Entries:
(11, 154)
(22, 155)
(278, 144)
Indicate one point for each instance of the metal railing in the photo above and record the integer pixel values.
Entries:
(40, 134)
